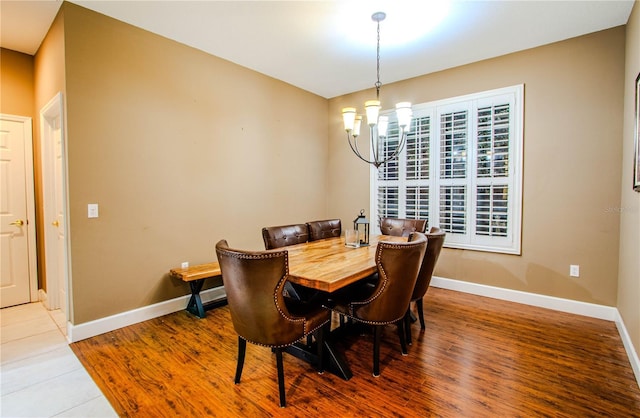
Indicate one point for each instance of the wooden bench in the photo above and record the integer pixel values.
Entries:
(196, 276)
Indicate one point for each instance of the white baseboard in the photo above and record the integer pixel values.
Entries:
(628, 345)
(42, 298)
(110, 323)
(592, 310)
(550, 302)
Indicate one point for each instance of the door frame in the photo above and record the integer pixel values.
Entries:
(48, 114)
(32, 254)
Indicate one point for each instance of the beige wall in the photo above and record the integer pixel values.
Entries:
(180, 149)
(572, 157)
(16, 83)
(629, 268)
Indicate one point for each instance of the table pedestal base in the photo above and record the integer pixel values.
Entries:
(334, 361)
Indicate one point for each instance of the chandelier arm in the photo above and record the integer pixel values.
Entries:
(357, 152)
(403, 140)
(353, 144)
(374, 151)
(398, 149)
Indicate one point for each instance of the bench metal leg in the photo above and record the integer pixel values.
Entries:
(195, 303)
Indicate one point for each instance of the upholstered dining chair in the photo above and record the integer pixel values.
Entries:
(387, 302)
(254, 282)
(401, 227)
(435, 240)
(398, 227)
(284, 235)
(329, 228)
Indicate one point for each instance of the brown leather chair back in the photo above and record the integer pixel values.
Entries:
(398, 266)
(435, 240)
(253, 282)
(281, 236)
(324, 229)
(401, 227)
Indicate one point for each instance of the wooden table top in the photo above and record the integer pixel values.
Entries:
(329, 265)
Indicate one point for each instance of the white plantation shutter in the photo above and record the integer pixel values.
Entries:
(388, 201)
(453, 209)
(453, 145)
(492, 159)
(418, 153)
(493, 141)
(388, 192)
(417, 202)
(417, 169)
(492, 210)
(390, 170)
(460, 169)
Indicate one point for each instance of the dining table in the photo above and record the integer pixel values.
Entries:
(328, 265)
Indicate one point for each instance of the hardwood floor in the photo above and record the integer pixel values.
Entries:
(479, 357)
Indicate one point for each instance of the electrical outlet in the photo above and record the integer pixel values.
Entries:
(574, 270)
(185, 265)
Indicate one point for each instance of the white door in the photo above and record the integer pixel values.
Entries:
(53, 183)
(18, 282)
(58, 222)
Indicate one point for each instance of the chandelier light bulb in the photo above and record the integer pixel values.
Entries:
(372, 108)
(356, 126)
(404, 114)
(348, 117)
(383, 124)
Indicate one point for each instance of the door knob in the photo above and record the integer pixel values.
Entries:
(19, 222)
(55, 223)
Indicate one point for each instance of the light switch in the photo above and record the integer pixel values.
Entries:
(574, 270)
(92, 210)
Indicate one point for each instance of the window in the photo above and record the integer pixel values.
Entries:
(460, 169)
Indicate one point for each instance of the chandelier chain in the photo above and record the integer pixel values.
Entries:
(378, 83)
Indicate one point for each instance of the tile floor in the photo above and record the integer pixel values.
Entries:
(39, 374)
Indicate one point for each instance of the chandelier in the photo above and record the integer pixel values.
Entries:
(378, 124)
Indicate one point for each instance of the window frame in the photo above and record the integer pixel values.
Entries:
(511, 244)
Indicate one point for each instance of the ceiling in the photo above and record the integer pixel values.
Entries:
(329, 47)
